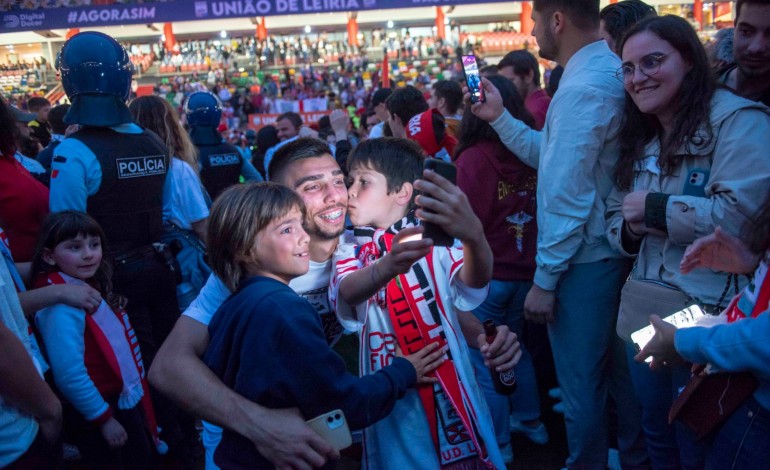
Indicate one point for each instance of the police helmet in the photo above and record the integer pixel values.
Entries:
(96, 75)
(203, 109)
(92, 62)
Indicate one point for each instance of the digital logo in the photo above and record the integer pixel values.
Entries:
(11, 21)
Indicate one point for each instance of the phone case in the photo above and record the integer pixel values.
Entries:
(696, 183)
(333, 427)
(433, 231)
(473, 79)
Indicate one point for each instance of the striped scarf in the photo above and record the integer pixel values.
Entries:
(118, 344)
(418, 317)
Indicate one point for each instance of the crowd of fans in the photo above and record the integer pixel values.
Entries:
(151, 277)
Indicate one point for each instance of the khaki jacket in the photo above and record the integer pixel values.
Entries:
(731, 176)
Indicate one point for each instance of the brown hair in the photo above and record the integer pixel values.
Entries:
(62, 226)
(237, 216)
(156, 114)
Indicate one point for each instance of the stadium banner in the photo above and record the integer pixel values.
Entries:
(258, 121)
(58, 14)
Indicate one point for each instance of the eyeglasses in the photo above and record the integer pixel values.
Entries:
(649, 66)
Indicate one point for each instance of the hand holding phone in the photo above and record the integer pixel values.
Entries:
(473, 78)
(682, 319)
(333, 427)
(433, 231)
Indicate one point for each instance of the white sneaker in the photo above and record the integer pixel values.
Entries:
(613, 460)
(537, 434)
(558, 407)
(555, 393)
(506, 452)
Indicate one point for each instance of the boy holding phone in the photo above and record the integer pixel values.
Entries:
(406, 295)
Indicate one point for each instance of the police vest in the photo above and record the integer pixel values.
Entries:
(220, 167)
(129, 202)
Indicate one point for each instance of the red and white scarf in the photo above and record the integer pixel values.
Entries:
(119, 346)
(418, 317)
(755, 297)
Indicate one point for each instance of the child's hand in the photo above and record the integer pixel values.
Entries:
(425, 360)
(447, 206)
(405, 252)
(79, 296)
(504, 352)
(114, 433)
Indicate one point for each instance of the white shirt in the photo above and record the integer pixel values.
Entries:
(575, 156)
(183, 199)
(377, 131)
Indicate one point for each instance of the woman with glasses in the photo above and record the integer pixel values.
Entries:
(693, 157)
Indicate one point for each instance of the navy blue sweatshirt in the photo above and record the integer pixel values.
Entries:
(267, 344)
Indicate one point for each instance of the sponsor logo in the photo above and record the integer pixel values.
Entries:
(24, 20)
(224, 160)
(201, 9)
(139, 167)
(11, 21)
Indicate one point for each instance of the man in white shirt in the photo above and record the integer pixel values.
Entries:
(381, 109)
(578, 277)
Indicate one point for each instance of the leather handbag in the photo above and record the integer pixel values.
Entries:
(709, 399)
(641, 298)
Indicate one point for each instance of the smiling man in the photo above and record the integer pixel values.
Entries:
(750, 77)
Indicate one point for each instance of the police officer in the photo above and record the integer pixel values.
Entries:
(114, 170)
(221, 164)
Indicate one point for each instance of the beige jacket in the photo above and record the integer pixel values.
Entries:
(736, 166)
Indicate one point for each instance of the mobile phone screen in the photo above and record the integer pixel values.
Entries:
(681, 319)
(473, 79)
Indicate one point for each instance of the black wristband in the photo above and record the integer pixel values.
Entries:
(655, 211)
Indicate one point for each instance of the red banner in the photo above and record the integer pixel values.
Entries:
(168, 32)
(262, 29)
(440, 27)
(258, 121)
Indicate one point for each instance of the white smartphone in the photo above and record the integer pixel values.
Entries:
(333, 427)
(682, 319)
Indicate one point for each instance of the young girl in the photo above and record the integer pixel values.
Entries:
(267, 342)
(94, 356)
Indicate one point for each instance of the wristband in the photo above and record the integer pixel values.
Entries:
(655, 211)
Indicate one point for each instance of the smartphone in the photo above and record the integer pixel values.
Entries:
(695, 185)
(333, 427)
(473, 78)
(682, 319)
(433, 231)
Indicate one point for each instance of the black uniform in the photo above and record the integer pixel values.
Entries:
(220, 162)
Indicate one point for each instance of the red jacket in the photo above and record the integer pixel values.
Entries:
(502, 193)
(23, 206)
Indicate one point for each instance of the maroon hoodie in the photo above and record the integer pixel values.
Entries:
(502, 193)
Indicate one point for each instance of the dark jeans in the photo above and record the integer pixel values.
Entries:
(670, 446)
(150, 288)
(743, 442)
